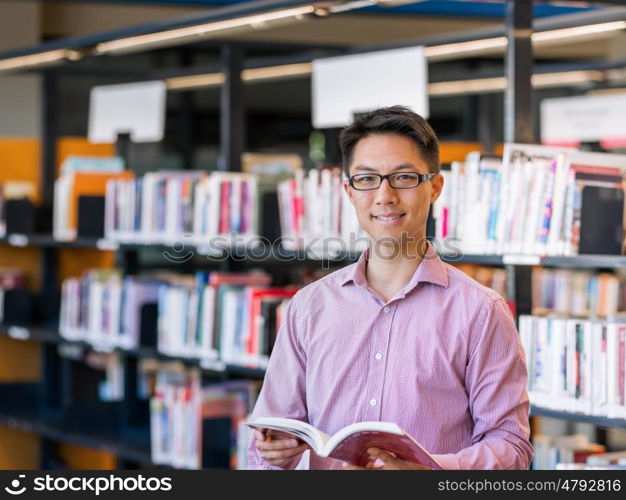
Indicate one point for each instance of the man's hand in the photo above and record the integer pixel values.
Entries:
(385, 460)
(277, 448)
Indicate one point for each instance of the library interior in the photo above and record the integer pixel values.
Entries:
(171, 176)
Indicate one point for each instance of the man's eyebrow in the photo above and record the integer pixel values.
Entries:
(403, 167)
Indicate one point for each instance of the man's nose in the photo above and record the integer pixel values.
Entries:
(385, 193)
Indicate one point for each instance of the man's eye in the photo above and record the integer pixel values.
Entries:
(406, 177)
(365, 178)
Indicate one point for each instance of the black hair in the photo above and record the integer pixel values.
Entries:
(393, 120)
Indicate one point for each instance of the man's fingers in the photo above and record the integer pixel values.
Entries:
(278, 444)
(390, 461)
(258, 435)
(283, 454)
(348, 466)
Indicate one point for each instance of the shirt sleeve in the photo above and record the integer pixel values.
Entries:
(283, 392)
(495, 379)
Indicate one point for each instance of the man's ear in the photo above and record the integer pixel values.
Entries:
(346, 188)
(437, 187)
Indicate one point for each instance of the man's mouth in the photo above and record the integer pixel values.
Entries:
(388, 217)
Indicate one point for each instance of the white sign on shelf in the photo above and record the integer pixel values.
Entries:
(137, 109)
(104, 244)
(345, 85)
(19, 333)
(18, 240)
(213, 365)
(568, 121)
(521, 260)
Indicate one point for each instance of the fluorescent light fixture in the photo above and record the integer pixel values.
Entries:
(614, 91)
(473, 48)
(254, 74)
(227, 26)
(277, 72)
(498, 44)
(438, 89)
(498, 84)
(544, 80)
(40, 59)
(459, 87)
(581, 32)
(356, 4)
(396, 3)
(195, 81)
(616, 76)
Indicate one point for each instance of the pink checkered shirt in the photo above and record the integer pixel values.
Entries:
(442, 359)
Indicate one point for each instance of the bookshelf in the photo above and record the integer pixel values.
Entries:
(50, 259)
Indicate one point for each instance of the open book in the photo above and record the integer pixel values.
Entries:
(350, 444)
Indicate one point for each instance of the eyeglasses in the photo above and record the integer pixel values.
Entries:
(398, 180)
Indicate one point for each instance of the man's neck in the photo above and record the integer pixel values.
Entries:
(387, 273)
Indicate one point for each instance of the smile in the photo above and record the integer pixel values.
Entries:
(388, 218)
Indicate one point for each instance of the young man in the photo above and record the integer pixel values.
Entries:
(399, 336)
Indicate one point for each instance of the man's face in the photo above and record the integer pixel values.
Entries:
(387, 212)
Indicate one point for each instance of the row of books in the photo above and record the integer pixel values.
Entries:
(217, 318)
(577, 293)
(169, 206)
(561, 291)
(104, 308)
(79, 189)
(316, 213)
(536, 200)
(227, 317)
(194, 425)
(576, 365)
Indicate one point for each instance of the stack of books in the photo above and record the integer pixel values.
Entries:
(183, 206)
(86, 178)
(316, 214)
(576, 365)
(186, 418)
(221, 318)
(104, 308)
(577, 293)
(537, 200)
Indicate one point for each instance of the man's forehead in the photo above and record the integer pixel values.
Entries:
(373, 167)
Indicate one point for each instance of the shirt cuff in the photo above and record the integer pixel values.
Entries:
(448, 461)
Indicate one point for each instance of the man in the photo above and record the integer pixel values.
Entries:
(398, 336)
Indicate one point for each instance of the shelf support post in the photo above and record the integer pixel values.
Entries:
(232, 111)
(518, 96)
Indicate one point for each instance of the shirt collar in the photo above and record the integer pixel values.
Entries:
(431, 270)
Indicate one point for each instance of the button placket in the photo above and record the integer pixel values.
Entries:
(378, 361)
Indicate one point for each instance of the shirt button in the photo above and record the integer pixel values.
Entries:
(386, 309)
(372, 402)
(378, 355)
